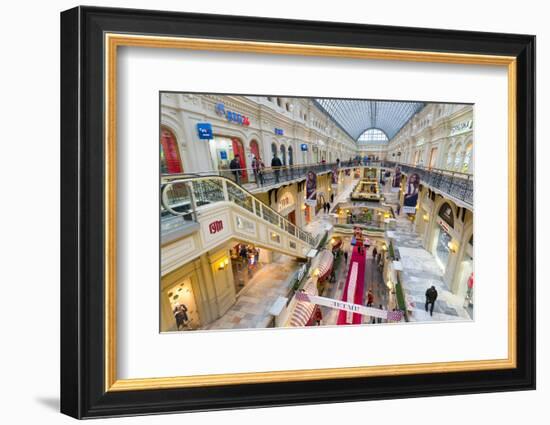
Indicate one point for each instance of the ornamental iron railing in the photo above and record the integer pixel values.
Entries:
(181, 198)
(458, 185)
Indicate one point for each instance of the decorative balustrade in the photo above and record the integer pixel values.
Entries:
(458, 185)
(183, 197)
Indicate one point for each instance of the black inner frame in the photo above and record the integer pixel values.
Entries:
(82, 217)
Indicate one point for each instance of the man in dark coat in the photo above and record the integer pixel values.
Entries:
(276, 165)
(235, 166)
(431, 296)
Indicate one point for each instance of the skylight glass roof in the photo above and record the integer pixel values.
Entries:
(356, 116)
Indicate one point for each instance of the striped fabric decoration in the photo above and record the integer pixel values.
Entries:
(304, 308)
(395, 316)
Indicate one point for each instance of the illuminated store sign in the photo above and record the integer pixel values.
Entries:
(215, 227)
(303, 147)
(462, 127)
(231, 116)
(279, 131)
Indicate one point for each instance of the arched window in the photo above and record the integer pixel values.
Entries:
(467, 161)
(170, 160)
(283, 154)
(255, 149)
(290, 156)
(373, 135)
(458, 159)
(450, 159)
(273, 149)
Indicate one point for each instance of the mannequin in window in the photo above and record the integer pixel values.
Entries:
(180, 312)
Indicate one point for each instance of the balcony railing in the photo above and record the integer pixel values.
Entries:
(458, 185)
(185, 196)
(253, 179)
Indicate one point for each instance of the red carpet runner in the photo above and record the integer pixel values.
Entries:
(354, 289)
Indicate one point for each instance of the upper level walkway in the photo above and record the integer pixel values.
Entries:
(455, 185)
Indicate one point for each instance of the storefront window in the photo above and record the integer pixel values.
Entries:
(450, 160)
(183, 305)
(467, 159)
(221, 149)
(458, 161)
(442, 248)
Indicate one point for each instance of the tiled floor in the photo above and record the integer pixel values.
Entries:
(252, 307)
(420, 271)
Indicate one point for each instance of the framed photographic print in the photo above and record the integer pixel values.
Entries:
(261, 212)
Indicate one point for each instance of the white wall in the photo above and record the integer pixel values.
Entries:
(30, 159)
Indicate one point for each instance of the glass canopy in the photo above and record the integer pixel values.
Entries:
(357, 116)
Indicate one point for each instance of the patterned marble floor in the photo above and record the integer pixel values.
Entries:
(252, 307)
(420, 271)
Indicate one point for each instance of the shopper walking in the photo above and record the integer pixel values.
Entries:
(431, 296)
(258, 168)
(318, 316)
(374, 252)
(235, 166)
(346, 256)
(276, 165)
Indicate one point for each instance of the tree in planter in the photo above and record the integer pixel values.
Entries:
(391, 251)
(368, 216)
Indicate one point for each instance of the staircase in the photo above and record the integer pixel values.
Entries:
(200, 213)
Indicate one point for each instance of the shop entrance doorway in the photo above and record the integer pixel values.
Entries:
(245, 262)
(223, 150)
(292, 217)
(442, 251)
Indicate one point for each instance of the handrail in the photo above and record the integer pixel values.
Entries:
(456, 184)
(330, 165)
(223, 184)
(430, 169)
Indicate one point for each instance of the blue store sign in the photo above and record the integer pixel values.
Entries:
(205, 130)
(232, 116)
(303, 146)
(279, 131)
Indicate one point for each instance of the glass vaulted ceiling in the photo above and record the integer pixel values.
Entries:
(356, 116)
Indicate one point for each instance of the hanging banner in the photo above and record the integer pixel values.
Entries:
(394, 316)
(411, 195)
(311, 188)
(334, 176)
(396, 182)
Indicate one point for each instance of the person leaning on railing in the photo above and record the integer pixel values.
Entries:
(258, 168)
(235, 166)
